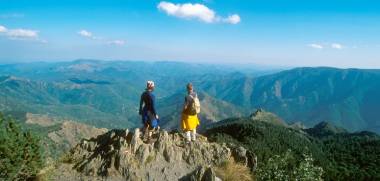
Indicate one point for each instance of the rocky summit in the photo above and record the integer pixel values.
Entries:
(122, 155)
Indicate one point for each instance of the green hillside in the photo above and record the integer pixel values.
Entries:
(106, 93)
(342, 155)
(92, 104)
(345, 97)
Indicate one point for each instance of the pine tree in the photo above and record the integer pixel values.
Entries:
(20, 151)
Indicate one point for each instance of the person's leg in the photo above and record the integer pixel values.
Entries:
(146, 132)
(150, 131)
(144, 121)
(193, 134)
(188, 136)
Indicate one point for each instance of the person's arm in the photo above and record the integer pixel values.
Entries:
(141, 104)
(185, 104)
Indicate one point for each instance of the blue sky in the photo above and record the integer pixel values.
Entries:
(339, 33)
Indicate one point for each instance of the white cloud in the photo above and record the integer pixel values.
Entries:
(85, 33)
(316, 46)
(117, 42)
(195, 11)
(233, 19)
(336, 46)
(20, 34)
(188, 10)
(88, 34)
(3, 29)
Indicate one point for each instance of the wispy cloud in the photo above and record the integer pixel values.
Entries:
(85, 33)
(21, 34)
(233, 19)
(90, 35)
(196, 11)
(315, 46)
(336, 46)
(3, 29)
(116, 42)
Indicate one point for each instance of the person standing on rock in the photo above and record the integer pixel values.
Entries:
(148, 111)
(190, 112)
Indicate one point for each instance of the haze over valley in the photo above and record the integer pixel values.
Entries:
(107, 93)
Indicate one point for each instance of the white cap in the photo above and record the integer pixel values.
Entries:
(149, 84)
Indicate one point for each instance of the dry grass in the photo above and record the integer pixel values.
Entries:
(65, 158)
(150, 159)
(232, 171)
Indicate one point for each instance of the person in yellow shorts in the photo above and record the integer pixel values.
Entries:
(190, 112)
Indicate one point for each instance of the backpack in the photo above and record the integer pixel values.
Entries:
(195, 106)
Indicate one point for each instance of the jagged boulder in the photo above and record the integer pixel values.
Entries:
(264, 116)
(122, 155)
(202, 174)
(243, 156)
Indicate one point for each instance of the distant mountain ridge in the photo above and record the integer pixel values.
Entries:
(346, 97)
(325, 129)
(106, 93)
(100, 93)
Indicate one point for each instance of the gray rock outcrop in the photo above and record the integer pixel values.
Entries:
(122, 155)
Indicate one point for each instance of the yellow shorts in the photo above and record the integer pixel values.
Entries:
(189, 122)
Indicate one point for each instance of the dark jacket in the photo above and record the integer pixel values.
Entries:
(149, 101)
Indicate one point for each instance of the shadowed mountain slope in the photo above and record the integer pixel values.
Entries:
(341, 154)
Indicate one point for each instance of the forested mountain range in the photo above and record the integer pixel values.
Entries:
(342, 155)
(106, 93)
